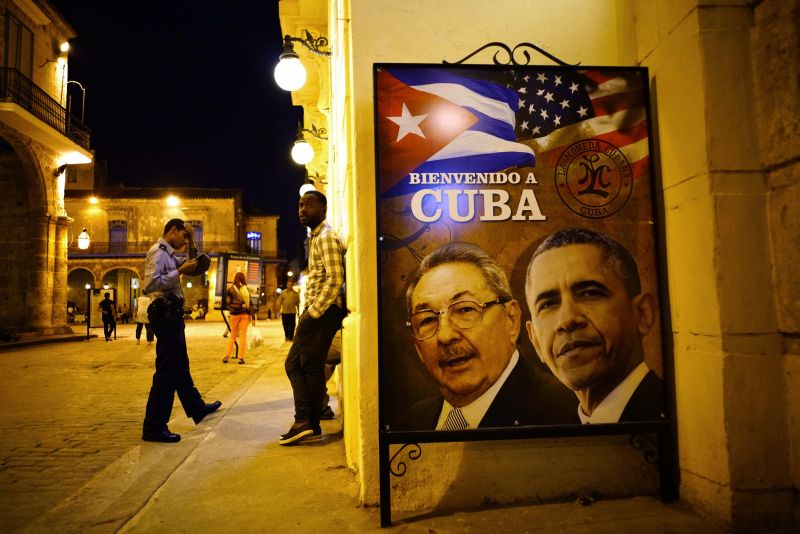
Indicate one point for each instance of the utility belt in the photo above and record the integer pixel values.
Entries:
(169, 309)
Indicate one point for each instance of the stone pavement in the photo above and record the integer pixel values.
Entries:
(71, 458)
(72, 409)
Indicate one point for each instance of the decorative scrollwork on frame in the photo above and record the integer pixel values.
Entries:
(314, 44)
(505, 55)
(399, 469)
(645, 444)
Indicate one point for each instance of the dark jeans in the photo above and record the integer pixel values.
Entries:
(108, 325)
(289, 322)
(305, 363)
(148, 331)
(172, 374)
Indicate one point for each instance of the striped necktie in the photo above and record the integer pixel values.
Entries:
(455, 421)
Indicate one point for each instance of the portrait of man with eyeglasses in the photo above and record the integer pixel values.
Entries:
(464, 323)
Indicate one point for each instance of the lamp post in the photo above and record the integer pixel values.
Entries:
(302, 151)
(290, 74)
(84, 240)
(83, 99)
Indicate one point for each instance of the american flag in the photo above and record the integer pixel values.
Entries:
(558, 107)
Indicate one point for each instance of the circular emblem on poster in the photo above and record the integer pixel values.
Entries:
(594, 178)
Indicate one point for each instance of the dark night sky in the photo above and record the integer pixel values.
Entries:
(181, 93)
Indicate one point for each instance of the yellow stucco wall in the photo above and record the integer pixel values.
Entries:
(728, 171)
(424, 32)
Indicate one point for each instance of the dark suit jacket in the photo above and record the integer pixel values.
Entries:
(528, 397)
(647, 402)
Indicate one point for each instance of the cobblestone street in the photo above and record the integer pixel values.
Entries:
(71, 409)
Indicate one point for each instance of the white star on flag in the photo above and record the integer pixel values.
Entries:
(409, 124)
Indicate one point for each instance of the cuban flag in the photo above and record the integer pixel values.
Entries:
(431, 121)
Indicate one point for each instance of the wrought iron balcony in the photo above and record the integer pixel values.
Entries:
(99, 249)
(17, 88)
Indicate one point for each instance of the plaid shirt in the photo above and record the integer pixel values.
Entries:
(325, 270)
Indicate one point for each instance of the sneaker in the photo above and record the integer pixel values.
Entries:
(316, 435)
(327, 414)
(138, 341)
(296, 434)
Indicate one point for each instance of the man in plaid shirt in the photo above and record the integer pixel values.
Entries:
(322, 317)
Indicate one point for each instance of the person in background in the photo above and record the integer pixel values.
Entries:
(108, 310)
(322, 317)
(162, 281)
(238, 300)
(140, 316)
(289, 306)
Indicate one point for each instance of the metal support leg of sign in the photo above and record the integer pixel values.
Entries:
(505, 55)
(668, 471)
(387, 468)
(384, 480)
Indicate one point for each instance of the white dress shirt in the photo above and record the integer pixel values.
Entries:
(610, 409)
(474, 411)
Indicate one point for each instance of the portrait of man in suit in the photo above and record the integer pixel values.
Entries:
(464, 323)
(588, 318)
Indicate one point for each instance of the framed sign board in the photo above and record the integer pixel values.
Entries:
(521, 274)
(230, 263)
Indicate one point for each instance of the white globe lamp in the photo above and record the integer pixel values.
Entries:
(290, 74)
(302, 152)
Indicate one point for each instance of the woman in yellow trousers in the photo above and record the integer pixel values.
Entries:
(238, 300)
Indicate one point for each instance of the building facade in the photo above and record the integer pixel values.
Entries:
(38, 138)
(123, 223)
(724, 86)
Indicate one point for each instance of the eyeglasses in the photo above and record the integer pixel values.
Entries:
(463, 314)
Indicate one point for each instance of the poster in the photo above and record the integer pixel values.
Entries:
(230, 263)
(478, 169)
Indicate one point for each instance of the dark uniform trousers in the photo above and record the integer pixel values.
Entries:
(305, 363)
(172, 369)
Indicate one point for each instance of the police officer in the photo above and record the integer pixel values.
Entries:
(162, 283)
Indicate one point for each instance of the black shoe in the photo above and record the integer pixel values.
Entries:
(316, 435)
(165, 436)
(327, 414)
(207, 409)
(296, 434)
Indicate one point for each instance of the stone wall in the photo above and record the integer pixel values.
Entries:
(727, 124)
(34, 232)
(776, 72)
(14, 245)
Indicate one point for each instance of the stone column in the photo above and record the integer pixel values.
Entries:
(59, 317)
(40, 278)
(730, 379)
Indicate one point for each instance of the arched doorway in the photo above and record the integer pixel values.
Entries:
(20, 242)
(126, 282)
(77, 281)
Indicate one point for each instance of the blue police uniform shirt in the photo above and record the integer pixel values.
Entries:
(161, 276)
